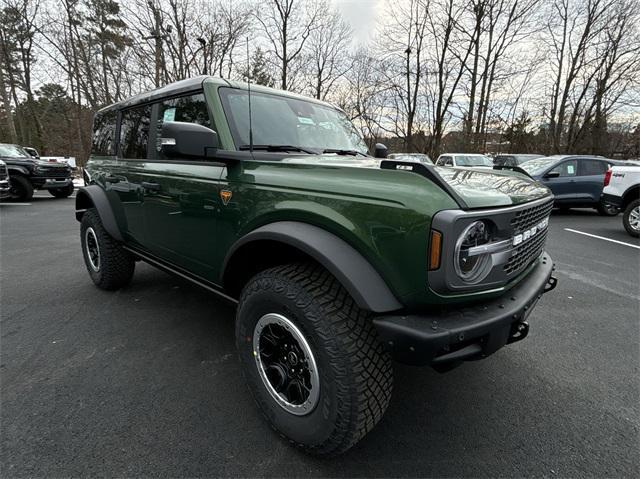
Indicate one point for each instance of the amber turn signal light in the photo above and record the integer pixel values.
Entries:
(435, 250)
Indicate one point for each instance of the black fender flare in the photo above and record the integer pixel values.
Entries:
(94, 196)
(18, 169)
(361, 280)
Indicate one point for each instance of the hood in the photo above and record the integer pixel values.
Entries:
(477, 187)
(484, 188)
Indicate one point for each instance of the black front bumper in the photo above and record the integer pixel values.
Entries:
(447, 336)
(44, 183)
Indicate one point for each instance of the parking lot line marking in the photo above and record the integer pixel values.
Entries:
(15, 204)
(602, 238)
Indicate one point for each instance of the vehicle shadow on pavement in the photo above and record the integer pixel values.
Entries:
(486, 416)
(146, 381)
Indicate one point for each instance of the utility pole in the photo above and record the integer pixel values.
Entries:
(158, 36)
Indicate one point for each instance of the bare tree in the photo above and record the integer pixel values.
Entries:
(402, 45)
(287, 25)
(326, 57)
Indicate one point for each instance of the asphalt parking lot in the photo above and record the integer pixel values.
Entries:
(145, 381)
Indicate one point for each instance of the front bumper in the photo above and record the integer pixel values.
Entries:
(450, 335)
(51, 183)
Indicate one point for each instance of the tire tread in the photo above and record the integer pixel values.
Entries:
(116, 264)
(366, 383)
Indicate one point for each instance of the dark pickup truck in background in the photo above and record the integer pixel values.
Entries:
(27, 174)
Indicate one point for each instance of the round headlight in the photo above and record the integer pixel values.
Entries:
(470, 265)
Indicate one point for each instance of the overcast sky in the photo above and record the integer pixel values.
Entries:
(362, 15)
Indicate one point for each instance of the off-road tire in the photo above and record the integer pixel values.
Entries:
(356, 375)
(116, 265)
(625, 218)
(607, 210)
(62, 192)
(21, 188)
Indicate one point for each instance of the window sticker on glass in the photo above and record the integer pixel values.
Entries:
(169, 114)
(305, 121)
(570, 169)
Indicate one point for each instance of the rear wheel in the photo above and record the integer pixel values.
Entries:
(108, 263)
(312, 358)
(606, 209)
(62, 192)
(20, 188)
(631, 218)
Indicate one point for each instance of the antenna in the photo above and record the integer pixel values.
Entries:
(249, 94)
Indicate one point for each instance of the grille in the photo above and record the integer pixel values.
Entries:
(529, 217)
(3, 173)
(55, 172)
(523, 254)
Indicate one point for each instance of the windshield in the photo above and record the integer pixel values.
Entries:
(13, 151)
(537, 166)
(279, 120)
(473, 160)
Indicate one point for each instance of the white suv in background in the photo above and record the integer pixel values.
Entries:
(622, 189)
(467, 160)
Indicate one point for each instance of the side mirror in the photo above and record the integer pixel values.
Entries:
(180, 139)
(380, 151)
(552, 174)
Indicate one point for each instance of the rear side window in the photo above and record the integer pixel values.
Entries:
(134, 132)
(593, 167)
(103, 140)
(567, 168)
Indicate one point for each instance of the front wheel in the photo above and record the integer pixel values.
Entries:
(606, 209)
(312, 358)
(108, 263)
(631, 218)
(62, 192)
(20, 188)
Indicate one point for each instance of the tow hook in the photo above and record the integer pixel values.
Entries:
(518, 332)
(551, 284)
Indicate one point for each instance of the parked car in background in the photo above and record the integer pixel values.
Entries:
(421, 157)
(622, 189)
(27, 174)
(513, 159)
(576, 180)
(472, 160)
(69, 160)
(4, 181)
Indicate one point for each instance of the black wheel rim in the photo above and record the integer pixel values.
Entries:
(93, 249)
(286, 364)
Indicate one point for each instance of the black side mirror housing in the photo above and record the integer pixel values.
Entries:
(552, 174)
(380, 151)
(180, 139)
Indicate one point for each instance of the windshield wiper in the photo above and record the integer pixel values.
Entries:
(338, 151)
(277, 148)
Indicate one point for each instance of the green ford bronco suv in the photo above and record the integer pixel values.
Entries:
(338, 261)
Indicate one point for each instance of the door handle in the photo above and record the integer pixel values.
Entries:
(150, 186)
(112, 179)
